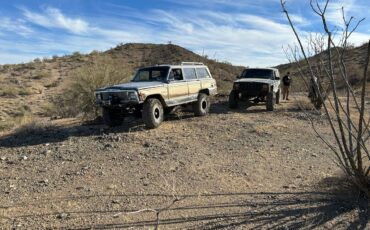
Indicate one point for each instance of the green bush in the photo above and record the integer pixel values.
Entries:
(78, 94)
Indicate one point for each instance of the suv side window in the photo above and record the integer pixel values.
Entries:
(176, 75)
(190, 74)
(202, 73)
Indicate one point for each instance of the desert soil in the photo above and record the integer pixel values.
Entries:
(243, 169)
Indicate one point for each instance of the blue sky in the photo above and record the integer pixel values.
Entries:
(243, 32)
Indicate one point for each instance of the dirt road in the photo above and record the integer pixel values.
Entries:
(230, 170)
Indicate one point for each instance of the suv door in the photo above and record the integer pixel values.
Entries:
(206, 80)
(194, 84)
(177, 87)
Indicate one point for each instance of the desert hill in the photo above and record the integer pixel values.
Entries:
(354, 58)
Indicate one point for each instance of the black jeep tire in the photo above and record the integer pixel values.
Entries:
(278, 97)
(202, 105)
(112, 117)
(270, 101)
(153, 113)
(233, 100)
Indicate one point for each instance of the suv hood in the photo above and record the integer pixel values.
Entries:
(133, 86)
(259, 80)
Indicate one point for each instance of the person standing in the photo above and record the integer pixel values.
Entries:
(287, 80)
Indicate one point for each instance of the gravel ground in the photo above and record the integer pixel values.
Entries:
(238, 169)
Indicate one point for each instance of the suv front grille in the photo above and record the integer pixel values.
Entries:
(114, 97)
(251, 87)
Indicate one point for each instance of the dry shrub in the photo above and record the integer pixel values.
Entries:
(9, 91)
(28, 125)
(41, 75)
(350, 131)
(52, 85)
(5, 125)
(21, 119)
(49, 109)
(78, 93)
(25, 91)
(303, 104)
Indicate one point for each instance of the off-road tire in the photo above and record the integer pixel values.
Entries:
(112, 117)
(153, 113)
(233, 100)
(202, 105)
(270, 101)
(277, 97)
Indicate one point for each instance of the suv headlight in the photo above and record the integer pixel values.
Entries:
(236, 86)
(98, 96)
(132, 96)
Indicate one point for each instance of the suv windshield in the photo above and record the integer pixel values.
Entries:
(257, 73)
(151, 74)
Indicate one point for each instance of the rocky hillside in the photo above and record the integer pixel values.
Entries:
(26, 89)
(354, 58)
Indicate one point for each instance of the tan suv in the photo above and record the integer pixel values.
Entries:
(156, 90)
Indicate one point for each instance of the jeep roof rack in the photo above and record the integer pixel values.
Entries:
(192, 63)
(162, 64)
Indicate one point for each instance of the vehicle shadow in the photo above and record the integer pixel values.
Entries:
(222, 107)
(267, 210)
(55, 134)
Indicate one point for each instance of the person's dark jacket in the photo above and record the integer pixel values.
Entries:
(287, 80)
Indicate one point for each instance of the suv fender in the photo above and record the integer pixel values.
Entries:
(159, 97)
(204, 91)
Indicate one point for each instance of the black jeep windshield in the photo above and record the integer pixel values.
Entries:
(151, 74)
(257, 73)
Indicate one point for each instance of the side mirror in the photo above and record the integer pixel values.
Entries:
(238, 77)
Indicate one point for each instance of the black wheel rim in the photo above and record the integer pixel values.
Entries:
(157, 113)
(204, 104)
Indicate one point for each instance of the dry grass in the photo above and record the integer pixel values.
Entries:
(78, 93)
(6, 125)
(49, 109)
(19, 117)
(25, 91)
(41, 75)
(303, 104)
(29, 125)
(52, 85)
(9, 91)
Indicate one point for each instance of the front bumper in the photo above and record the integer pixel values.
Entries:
(117, 98)
(251, 89)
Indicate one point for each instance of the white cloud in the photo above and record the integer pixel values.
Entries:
(239, 38)
(53, 18)
(15, 26)
(350, 8)
(244, 39)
